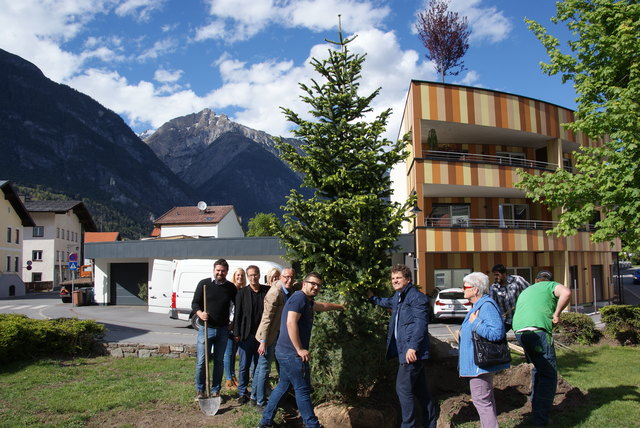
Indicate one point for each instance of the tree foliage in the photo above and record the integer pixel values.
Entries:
(604, 65)
(445, 35)
(347, 228)
(263, 224)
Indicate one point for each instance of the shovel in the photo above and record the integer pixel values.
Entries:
(209, 405)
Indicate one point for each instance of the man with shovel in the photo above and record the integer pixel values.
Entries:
(211, 303)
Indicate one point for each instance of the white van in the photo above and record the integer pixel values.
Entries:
(186, 274)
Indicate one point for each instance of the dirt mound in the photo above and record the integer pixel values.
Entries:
(511, 389)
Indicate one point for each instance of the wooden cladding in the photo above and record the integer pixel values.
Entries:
(496, 240)
(475, 106)
(471, 174)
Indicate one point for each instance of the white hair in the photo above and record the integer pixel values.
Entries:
(478, 280)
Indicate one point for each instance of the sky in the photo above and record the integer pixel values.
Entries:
(153, 60)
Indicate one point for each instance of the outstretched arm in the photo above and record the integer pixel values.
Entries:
(325, 306)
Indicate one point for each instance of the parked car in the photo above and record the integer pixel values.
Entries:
(449, 304)
(636, 276)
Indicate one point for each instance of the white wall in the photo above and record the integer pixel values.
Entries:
(189, 230)
(398, 175)
(229, 227)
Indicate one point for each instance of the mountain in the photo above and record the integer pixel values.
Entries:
(226, 163)
(54, 136)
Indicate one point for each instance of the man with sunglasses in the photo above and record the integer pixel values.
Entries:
(292, 350)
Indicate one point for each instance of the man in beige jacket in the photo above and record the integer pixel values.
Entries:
(268, 332)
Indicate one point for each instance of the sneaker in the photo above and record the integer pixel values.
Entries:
(243, 400)
(253, 402)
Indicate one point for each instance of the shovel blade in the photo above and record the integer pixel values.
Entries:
(209, 406)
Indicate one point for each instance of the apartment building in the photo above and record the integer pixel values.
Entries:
(465, 147)
(59, 232)
(14, 218)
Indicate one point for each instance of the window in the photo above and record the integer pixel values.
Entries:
(17, 236)
(38, 231)
(16, 267)
(512, 158)
(57, 232)
(67, 235)
(449, 215)
(449, 278)
(9, 234)
(36, 255)
(8, 263)
(514, 215)
(566, 164)
(36, 276)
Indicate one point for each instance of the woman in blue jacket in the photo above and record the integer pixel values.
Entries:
(485, 318)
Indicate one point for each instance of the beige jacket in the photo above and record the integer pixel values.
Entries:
(270, 322)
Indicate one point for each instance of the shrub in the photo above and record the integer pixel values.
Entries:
(24, 338)
(623, 322)
(577, 328)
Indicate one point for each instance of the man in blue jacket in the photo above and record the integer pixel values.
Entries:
(408, 339)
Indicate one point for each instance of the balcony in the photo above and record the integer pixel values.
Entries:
(451, 156)
(494, 223)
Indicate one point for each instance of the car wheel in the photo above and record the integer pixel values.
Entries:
(194, 322)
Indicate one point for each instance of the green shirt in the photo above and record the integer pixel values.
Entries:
(535, 306)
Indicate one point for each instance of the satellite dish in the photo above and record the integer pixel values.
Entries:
(202, 205)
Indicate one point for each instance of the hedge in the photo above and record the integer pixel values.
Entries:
(23, 338)
(576, 327)
(622, 323)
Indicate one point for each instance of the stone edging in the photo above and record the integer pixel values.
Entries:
(121, 350)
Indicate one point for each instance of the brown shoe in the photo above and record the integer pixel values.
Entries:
(235, 381)
(230, 384)
(199, 395)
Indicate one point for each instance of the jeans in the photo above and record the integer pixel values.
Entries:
(261, 375)
(218, 341)
(414, 395)
(539, 350)
(230, 358)
(292, 372)
(248, 362)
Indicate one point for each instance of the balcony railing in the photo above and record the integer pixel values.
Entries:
(493, 223)
(487, 159)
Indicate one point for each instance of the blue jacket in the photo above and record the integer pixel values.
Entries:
(410, 307)
(489, 324)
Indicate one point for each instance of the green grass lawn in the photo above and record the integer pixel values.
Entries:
(69, 393)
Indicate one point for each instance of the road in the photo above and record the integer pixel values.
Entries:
(132, 324)
(631, 290)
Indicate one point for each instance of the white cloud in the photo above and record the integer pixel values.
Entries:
(487, 23)
(236, 20)
(470, 79)
(139, 9)
(159, 48)
(164, 76)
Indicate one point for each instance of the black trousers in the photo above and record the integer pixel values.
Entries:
(416, 404)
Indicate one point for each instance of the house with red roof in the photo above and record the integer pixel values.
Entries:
(202, 221)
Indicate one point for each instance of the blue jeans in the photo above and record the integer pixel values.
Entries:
(218, 341)
(230, 358)
(248, 362)
(539, 350)
(292, 372)
(416, 404)
(261, 375)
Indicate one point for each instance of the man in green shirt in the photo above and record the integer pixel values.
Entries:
(537, 309)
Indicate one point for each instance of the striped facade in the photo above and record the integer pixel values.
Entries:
(477, 130)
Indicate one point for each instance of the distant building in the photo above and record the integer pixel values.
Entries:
(192, 222)
(60, 230)
(14, 217)
(466, 145)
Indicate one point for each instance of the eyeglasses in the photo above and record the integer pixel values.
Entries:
(465, 287)
(315, 284)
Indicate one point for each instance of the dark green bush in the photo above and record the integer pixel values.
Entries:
(577, 328)
(623, 323)
(25, 338)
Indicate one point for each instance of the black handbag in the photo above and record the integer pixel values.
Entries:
(487, 353)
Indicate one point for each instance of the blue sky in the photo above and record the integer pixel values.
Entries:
(154, 60)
